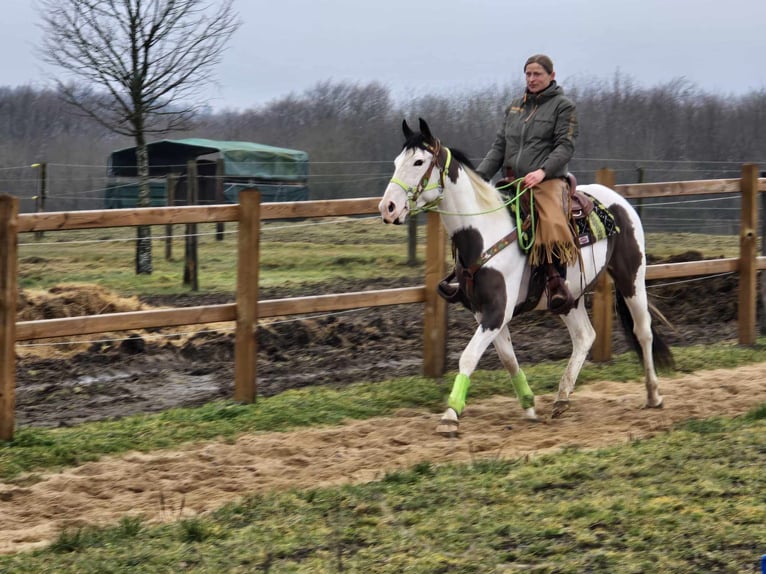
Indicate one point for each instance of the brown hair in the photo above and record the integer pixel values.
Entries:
(541, 59)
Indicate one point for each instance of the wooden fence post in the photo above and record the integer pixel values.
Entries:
(219, 197)
(412, 240)
(9, 210)
(43, 194)
(602, 304)
(171, 180)
(248, 267)
(191, 260)
(748, 266)
(435, 309)
(762, 277)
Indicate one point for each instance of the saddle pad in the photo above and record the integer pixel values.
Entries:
(598, 225)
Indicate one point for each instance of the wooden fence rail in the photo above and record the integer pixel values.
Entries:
(247, 309)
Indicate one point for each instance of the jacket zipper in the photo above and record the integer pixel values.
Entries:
(523, 132)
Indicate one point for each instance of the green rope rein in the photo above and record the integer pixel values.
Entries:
(526, 238)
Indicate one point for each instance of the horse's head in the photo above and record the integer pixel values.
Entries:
(415, 184)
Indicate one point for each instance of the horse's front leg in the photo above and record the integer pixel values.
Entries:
(583, 335)
(504, 348)
(469, 358)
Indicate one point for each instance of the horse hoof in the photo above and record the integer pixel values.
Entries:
(659, 405)
(448, 428)
(559, 408)
(531, 416)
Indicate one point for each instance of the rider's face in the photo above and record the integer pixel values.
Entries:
(537, 78)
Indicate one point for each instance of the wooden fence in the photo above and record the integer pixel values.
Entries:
(247, 309)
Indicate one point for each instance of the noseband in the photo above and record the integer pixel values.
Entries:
(414, 193)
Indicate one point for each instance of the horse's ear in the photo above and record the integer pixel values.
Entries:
(426, 131)
(408, 133)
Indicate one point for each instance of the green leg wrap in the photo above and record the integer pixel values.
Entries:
(459, 392)
(523, 392)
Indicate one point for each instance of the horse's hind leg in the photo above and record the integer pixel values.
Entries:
(504, 348)
(638, 307)
(583, 335)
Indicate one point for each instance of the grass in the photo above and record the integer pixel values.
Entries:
(687, 501)
(38, 449)
(307, 252)
(690, 500)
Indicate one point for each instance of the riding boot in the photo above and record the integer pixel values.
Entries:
(560, 299)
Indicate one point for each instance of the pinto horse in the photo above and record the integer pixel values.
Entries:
(431, 177)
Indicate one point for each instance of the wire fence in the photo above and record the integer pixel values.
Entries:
(82, 186)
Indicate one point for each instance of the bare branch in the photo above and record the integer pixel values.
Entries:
(148, 59)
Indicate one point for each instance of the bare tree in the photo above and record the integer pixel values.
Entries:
(136, 67)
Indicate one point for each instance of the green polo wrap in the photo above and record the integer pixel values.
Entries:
(459, 392)
(523, 392)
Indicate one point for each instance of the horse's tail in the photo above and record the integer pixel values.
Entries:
(663, 358)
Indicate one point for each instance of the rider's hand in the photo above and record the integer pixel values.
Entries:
(534, 177)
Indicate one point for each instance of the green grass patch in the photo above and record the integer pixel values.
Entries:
(37, 449)
(684, 502)
(306, 252)
(302, 252)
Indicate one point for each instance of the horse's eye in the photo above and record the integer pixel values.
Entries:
(419, 162)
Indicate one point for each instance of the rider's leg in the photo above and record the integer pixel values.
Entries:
(560, 299)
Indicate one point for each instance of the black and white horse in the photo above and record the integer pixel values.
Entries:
(430, 176)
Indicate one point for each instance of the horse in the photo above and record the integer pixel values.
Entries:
(496, 280)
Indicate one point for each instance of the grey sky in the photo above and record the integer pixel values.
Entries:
(418, 47)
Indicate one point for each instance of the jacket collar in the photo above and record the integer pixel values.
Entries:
(552, 90)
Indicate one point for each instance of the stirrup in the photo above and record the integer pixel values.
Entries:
(447, 291)
(560, 299)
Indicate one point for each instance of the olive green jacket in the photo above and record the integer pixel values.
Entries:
(538, 131)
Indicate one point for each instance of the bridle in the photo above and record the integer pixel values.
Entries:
(414, 193)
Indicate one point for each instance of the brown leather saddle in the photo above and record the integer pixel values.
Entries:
(580, 205)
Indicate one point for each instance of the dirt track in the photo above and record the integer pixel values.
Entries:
(163, 486)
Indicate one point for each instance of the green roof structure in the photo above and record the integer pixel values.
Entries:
(280, 174)
(240, 159)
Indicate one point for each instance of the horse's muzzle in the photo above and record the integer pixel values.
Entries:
(390, 214)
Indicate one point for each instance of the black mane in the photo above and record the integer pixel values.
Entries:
(418, 140)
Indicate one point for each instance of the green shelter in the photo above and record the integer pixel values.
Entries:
(223, 169)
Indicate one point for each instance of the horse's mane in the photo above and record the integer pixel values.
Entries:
(486, 194)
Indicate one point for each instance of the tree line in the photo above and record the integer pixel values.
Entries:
(352, 132)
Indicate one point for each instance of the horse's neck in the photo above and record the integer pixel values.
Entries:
(461, 209)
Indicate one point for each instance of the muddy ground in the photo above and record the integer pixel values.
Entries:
(152, 371)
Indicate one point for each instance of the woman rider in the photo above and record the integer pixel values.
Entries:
(536, 142)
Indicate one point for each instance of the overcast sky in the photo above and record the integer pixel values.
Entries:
(429, 47)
